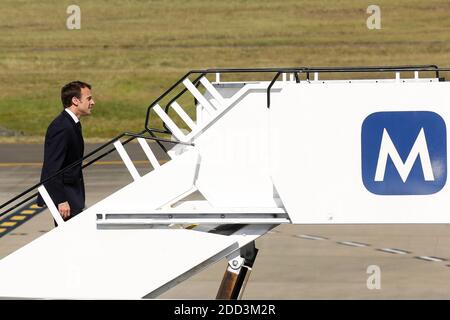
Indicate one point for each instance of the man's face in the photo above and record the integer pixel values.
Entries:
(85, 103)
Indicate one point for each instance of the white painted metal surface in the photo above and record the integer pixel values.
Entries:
(234, 154)
(213, 91)
(211, 215)
(199, 96)
(154, 189)
(183, 115)
(126, 159)
(149, 153)
(169, 122)
(107, 264)
(317, 166)
(50, 205)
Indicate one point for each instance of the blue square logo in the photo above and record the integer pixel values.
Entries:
(404, 153)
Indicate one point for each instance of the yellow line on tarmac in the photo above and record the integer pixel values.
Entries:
(8, 224)
(20, 164)
(38, 164)
(27, 211)
(18, 218)
(119, 162)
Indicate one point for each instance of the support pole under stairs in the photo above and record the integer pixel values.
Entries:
(237, 274)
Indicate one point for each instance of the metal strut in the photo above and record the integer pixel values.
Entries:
(237, 273)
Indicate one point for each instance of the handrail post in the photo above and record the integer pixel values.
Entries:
(270, 87)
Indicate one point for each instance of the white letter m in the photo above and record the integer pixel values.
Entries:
(419, 148)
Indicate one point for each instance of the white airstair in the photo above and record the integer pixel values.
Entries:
(260, 154)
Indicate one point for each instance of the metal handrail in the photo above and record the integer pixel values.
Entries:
(278, 71)
(195, 82)
(423, 68)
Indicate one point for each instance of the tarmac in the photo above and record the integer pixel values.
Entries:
(294, 261)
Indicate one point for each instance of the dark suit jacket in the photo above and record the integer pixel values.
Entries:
(64, 145)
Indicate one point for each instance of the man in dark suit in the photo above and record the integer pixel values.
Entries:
(64, 145)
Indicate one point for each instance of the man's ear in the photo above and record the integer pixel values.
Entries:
(75, 101)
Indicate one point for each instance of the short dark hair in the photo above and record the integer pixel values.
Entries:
(70, 90)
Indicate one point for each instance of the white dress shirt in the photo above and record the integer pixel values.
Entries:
(74, 117)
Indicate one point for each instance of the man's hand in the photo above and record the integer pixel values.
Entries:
(64, 210)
